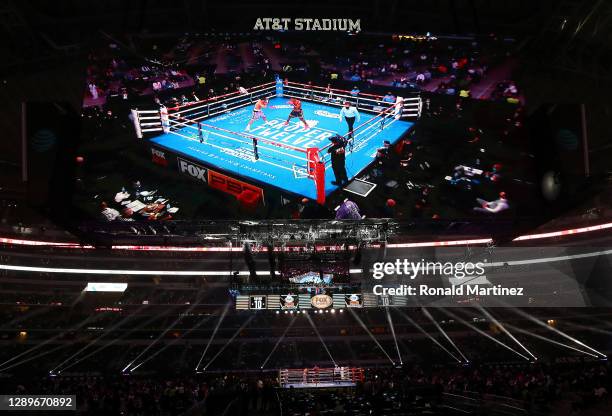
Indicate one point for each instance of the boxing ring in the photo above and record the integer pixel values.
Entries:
(304, 378)
(208, 141)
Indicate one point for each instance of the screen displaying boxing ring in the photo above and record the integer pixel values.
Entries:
(215, 135)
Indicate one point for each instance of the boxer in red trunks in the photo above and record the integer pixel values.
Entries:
(296, 112)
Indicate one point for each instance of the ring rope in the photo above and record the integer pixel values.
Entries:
(216, 98)
(248, 136)
(225, 148)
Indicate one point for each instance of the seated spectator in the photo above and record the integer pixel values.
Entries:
(311, 210)
(494, 175)
(420, 78)
(93, 90)
(465, 93)
(355, 91)
(389, 98)
(387, 161)
(126, 215)
(107, 213)
(348, 210)
(493, 207)
(389, 209)
(511, 90)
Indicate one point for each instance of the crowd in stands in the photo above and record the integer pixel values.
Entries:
(152, 396)
(110, 76)
(412, 389)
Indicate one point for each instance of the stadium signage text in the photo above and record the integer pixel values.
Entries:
(307, 23)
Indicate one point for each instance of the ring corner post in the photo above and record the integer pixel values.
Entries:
(316, 169)
(136, 121)
(279, 86)
(320, 181)
(165, 119)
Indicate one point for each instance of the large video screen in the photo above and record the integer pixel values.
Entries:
(270, 124)
(315, 269)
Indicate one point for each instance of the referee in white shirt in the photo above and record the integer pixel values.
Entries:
(349, 113)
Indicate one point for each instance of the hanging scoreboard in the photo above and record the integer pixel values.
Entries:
(294, 301)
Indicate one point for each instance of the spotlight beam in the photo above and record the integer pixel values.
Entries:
(105, 333)
(31, 314)
(588, 328)
(399, 354)
(223, 313)
(552, 341)
(314, 327)
(279, 341)
(556, 331)
(160, 336)
(115, 340)
(481, 332)
(45, 342)
(505, 331)
(248, 321)
(365, 328)
(42, 354)
(444, 334)
(427, 334)
(174, 341)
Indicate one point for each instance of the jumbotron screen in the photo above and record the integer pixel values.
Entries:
(315, 269)
(274, 125)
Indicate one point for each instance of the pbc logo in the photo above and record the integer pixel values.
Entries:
(230, 185)
(193, 170)
(158, 157)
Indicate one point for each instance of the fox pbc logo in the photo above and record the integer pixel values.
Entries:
(321, 301)
(158, 157)
(197, 172)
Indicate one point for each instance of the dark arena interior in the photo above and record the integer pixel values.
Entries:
(306, 208)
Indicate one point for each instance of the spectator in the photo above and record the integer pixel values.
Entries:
(493, 207)
(338, 160)
(389, 98)
(93, 90)
(348, 210)
(389, 209)
(311, 210)
(108, 214)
